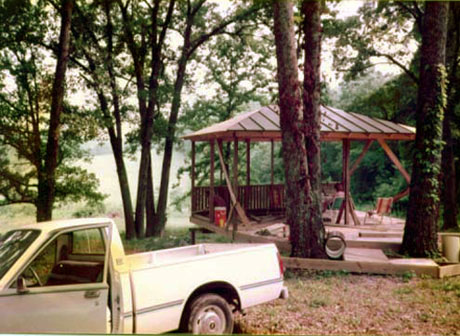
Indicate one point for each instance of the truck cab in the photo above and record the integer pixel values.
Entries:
(74, 277)
(60, 278)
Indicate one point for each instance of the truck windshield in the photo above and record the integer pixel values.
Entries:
(12, 245)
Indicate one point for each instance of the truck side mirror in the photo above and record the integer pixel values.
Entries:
(21, 286)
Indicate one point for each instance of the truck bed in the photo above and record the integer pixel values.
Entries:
(183, 254)
(251, 270)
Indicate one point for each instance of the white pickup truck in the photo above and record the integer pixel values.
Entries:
(74, 277)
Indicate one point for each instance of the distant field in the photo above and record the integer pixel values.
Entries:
(103, 166)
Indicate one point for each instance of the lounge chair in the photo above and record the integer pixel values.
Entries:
(383, 207)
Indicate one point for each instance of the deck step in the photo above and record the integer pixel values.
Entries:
(414, 261)
(363, 254)
(370, 234)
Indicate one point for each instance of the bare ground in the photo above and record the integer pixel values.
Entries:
(340, 303)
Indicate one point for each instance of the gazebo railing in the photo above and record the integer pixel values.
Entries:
(253, 197)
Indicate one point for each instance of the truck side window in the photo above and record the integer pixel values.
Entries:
(71, 258)
(88, 242)
(37, 273)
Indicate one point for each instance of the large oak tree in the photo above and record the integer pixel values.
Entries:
(420, 234)
(299, 127)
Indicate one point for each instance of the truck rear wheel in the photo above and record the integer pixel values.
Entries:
(210, 314)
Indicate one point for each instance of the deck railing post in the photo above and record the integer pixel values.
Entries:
(211, 183)
(192, 177)
(248, 174)
(346, 179)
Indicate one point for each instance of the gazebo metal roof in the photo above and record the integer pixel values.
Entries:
(264, 124)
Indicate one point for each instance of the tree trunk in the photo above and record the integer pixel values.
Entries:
(150, 204)
(293, 142)
(116, 134)
(156, 38)
(160, 218)
(420, 234)
(168, 149)
(117, 150)
(312, 119)
(47, 184)
(448, 181)
(124, 186)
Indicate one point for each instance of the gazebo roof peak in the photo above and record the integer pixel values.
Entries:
(263, 124)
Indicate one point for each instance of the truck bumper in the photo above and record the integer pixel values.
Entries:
(284, 294)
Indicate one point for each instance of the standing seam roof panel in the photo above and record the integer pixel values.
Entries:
(366, 128)
(332, 120)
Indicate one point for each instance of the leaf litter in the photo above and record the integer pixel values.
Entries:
(327, 303)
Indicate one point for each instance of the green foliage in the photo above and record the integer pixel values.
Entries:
(261, 166)
(25, 99)
(429, 157)
(330, 274)
(173, 237)
(235, 87)
(448, 285)
(408, 276)
(382, 30)
(89, 210)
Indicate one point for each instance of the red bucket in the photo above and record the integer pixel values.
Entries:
(220, 216)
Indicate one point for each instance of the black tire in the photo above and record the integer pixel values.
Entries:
(209, 314)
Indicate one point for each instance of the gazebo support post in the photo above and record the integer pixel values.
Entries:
(399, 166)
(394, 159)
(347, 208)
(361, 156)
(235, 178)
(192, 177)
(235, 202)
(211, 182)
(346, 179)
(272, 162)
(248, 174)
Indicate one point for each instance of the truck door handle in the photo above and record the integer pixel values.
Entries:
(92, 294)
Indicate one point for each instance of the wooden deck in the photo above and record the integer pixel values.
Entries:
(367, 246)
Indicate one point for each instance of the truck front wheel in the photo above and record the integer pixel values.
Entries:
(210, 314)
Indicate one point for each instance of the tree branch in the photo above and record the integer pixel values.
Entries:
(219, 29)
(400, 65)
(415, 12)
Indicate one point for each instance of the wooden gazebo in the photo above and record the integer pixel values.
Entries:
(263, 124)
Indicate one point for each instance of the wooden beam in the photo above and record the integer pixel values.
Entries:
(272, 162)
(361, 156)
(360, 266)
(341, 211)
(373, 234)
(237, 205)
(248, 174)
(211, 182)
(235, 180)
(282, 244)
(192, 175)
(248, 162)
(394, 159)
(346, 179)
(235, 168)
(354, 216)
(449, 270)
(401, 195)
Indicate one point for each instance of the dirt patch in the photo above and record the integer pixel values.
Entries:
(339, 303)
